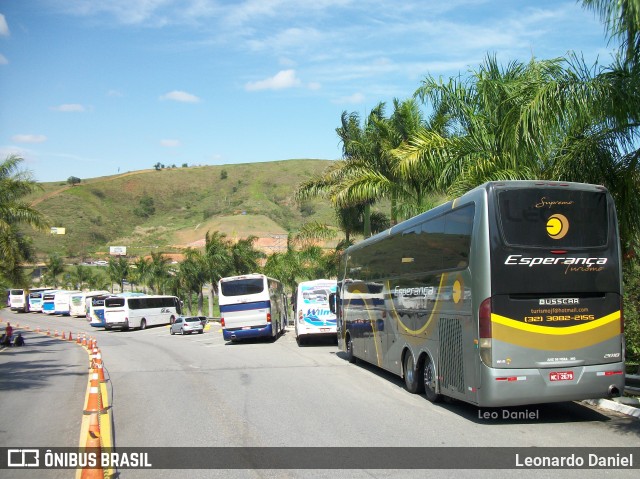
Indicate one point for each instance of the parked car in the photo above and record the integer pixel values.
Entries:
(187, 325)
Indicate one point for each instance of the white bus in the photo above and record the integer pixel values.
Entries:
(95, 307)
(48, 300)
(19, 300)
(62, 302)
(35, 299)
(140, 311)
(313, 316)
(78, 302)
(252, 306)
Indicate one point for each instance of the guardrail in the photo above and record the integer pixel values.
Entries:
(632, 384)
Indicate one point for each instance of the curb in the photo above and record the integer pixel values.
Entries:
(614, 406)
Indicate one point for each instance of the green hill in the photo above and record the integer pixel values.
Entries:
(238, 200)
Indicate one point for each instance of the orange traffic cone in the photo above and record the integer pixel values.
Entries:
(48, 333)
(93, 447)
(99, 368)
(70, 337)
(94, 402)
(63, 336)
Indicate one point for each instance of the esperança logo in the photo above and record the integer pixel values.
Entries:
(520, 260)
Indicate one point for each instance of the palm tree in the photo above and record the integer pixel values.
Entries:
(15, 212)
(192, 277)
(55, 267)
(218, 261)
(139, 272)
(245, 257)
(158, 272)
(118, 270)
(81, 276)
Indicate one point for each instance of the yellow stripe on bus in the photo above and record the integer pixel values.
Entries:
(555, 338)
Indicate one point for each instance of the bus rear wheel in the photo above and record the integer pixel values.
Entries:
(350, 357)
(430, 382)
(143, 324)
(412, 375)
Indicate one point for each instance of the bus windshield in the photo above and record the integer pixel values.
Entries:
(546, 218)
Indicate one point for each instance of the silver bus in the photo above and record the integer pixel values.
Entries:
(507, 295)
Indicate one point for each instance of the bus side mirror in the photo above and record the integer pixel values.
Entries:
(332, 302)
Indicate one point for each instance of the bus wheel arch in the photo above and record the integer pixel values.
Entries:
(430, 379)
(143, 323)
(349, 346)
(412, 372)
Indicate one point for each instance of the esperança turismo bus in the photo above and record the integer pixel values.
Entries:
(313, 318)
(251, 306)
(507, 295)
(140, 311)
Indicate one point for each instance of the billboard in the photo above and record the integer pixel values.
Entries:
(56, 230)
(118, 250)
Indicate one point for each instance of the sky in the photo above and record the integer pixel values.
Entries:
(90, 88)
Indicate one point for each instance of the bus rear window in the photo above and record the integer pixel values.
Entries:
(240, 287)
(553, 218)
(114, 302)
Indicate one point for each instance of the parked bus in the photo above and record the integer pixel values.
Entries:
(95, 310)
(35, 299)
(78, 302)
(62, 302)
(19, 299)
(251, 306)
(313, 316)
(140, 311)
(95, 307)
(48, 301)
(508, 295)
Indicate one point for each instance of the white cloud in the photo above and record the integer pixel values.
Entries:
(352, 99)
(170, 143)
(3, 60)
(180, 96)
(281, 80)
(29, 138)
(4, 27)
(69, 108)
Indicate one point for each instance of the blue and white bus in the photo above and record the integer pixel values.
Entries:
(35, 299)
(252, 306)
(313, 318)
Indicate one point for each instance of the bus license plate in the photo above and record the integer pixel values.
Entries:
(561, 376)
(324, 330)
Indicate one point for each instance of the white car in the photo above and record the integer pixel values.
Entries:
(102, 263)
(187, 325)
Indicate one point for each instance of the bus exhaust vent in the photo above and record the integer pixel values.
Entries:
(451, 359)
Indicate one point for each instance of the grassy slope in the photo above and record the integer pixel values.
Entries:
(254, 198)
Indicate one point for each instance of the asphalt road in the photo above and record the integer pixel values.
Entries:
(185, 392)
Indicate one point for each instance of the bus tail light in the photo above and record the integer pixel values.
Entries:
(485, 332)
(300, 317)
(222, 322)
(268, 317)
(621, 317)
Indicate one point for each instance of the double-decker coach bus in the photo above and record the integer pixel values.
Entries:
(251, 306)
(508, 295)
